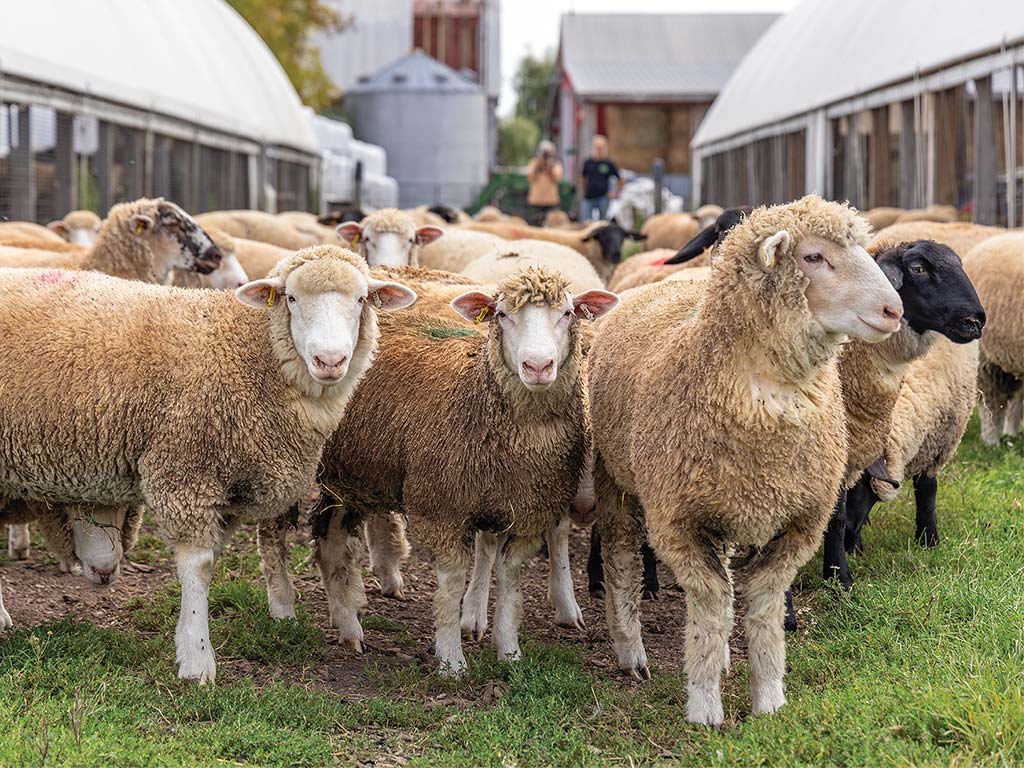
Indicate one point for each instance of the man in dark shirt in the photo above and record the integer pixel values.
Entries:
(596, 179)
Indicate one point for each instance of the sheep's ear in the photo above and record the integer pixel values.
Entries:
(261, 293)
(892, 267)
(634, 235)
(390, 296)
(593, 304)
(879, 470)
(140, 223)
(696, 246)
(59, 227)
(350, 232)
(427, 235)
(474, 306)
(773, 246)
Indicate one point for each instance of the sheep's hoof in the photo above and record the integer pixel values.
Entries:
(640, 672)
(394, 594)
(790, 624)
(5, 620)
(597, 592)
(649, 594)
(353, 643)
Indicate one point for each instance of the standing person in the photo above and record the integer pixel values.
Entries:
(544, 172)
(596, 179)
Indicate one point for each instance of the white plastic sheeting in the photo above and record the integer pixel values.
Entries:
(338, 157)
(195, 60)
(827, 51)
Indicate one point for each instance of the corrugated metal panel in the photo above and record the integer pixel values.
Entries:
(196, 61)
(826, 51)
(656, 56)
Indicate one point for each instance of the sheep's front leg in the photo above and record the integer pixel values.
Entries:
(272, 540)
(764, 582)
(620, 527)
(5, 617)
(474, 604)
(451, 581)
(561, 594)
(385, 538)
(192, 637)
(508, 600)
(18, 542)
(834, 564)
(1014, 414)
(926, 523)
(339, 554)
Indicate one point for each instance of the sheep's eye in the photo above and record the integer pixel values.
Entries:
(568, 313)
(918, 268)
(291, 299)
(499, 314)
(814, 258)
(362, 300)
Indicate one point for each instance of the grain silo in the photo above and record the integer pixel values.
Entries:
(432, 122)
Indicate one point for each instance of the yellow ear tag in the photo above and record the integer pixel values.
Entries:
(271, 297)
(355, 240)
(138, 228)
(767, 257)
(481, 315)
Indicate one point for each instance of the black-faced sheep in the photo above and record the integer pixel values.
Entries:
(108, 418)
(739, 381)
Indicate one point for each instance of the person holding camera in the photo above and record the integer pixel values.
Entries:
(543, 172)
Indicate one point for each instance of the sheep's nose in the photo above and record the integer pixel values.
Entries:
(329, 361)
(104, 574)
(538, 368)
(892, 313)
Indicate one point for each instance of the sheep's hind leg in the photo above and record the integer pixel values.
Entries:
(508, 599)
(192, 636)
(620, 526)
(927, 525)
(1014, 414)
(474, 603)
(19, 541)
(385, 538)
(338, 550)
(272, 541)
(834, 564)
(561, 594)
(451, 581)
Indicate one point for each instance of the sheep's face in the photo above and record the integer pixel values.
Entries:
(99, 543)
(609, 239)
(535, 338)
(389, 246)
(846, 291)
(936, 292)
(78, 228)
(327, 301)
(175, 239)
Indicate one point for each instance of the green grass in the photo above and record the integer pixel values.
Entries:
(920, 665)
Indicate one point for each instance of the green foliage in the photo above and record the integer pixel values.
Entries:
(517, 140)
(534, 83)
(286, 27)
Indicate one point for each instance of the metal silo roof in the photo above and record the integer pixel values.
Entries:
(416, 72)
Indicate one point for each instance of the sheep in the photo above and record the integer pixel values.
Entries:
(505, 408)
(340, 215)
(556, 218)
(228, 276)
(309, 226)
(96, 538)
(388, 237)
(930, 416)
(78, 227)
(708, 213)
(255, 225)
(450, 215)
(271, 384)
(728, 473)
(960, 236)
(938, 301)
(937, 213)
(142, 240)
(670, 230)
(516, 255)
(643, 269)
(26, 230)
(997, 268)
(458, 248)
(491, 213)
(601, 242)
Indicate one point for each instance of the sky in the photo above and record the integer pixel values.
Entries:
(531, 26)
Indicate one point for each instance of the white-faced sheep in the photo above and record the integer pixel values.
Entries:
(388, 238)
(707, 214)
(142, 240)
(997, 268)
(728, 472)
(78, 227)
(517, 255)
(505, 408)
(103, 418)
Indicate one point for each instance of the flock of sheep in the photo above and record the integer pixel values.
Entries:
(754, 384)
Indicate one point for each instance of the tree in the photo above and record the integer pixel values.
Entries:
(517, 139)
(534, 82)
(286, 27)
